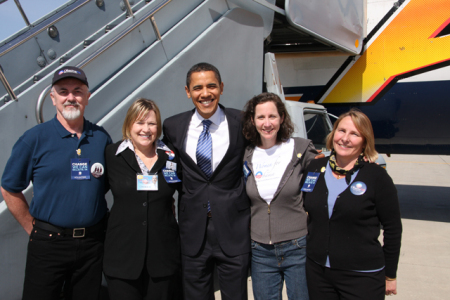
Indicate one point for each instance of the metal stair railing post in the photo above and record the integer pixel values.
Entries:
(24, 16)
(149, 15)
(6, 85)
(42, 29)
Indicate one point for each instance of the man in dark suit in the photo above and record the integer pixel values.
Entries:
(214, 211)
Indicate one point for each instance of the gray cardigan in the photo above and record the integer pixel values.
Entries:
(285, 218)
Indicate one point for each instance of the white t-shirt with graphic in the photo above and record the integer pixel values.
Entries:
(269, 166)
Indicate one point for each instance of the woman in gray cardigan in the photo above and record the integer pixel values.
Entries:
(273, 167)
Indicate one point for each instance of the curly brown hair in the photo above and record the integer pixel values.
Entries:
(249, 129)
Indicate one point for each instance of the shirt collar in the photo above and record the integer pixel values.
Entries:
(216, 118)
(63, 132)
(128, 144)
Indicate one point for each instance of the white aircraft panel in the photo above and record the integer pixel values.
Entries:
(339, 23)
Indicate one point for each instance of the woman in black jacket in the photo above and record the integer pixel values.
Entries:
(347, 199)
(142, 246)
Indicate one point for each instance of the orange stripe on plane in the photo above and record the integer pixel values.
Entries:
(409, 45)
(291, 98)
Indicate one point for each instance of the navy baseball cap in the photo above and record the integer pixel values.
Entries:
(68, 71)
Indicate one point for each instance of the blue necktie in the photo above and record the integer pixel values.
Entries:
(204, 151)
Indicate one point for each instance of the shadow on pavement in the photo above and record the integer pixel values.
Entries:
(427, 203)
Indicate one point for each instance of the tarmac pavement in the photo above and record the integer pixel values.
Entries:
(423, 185)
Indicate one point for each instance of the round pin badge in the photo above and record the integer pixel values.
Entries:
(323, 169)
(171, 154)
(258, 175)
(299, 155)
(358, 188)
(97, 170)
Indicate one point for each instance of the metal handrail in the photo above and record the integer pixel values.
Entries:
(123, 34)
(42, 29)
(40, 104)
(82, 64)
(24, 16)
(6, 85)
(128, 6)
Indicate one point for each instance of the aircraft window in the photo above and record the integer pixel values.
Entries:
(316, 129)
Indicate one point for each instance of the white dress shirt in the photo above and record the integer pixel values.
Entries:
(219, 134)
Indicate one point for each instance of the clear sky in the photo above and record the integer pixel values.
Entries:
(11, 20)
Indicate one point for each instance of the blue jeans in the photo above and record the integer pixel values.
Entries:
(273, 264)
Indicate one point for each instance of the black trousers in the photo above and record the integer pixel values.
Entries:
(54, 261)
(198, 271)
(332, 284)
(145, 287)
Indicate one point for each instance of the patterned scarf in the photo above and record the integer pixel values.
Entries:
(348, 173)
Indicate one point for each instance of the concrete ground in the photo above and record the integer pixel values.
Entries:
(423, 184)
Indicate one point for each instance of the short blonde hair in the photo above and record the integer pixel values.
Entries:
(137, 111)
(364, 126)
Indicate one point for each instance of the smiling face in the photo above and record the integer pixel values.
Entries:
(267, 121)
(144, 130)
(70, 97)
(347, 140)
(205, 91)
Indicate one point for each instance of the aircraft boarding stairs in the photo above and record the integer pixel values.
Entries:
(146, 54)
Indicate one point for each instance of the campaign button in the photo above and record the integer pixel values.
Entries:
(358, 188)
(97, 170)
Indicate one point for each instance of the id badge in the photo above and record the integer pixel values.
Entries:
(147, 182)
(310, 182)
(79, 169)
(171, 165)
(247, 170)
(170, 176)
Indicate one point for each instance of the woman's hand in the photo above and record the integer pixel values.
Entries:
(391, 287)
(320, 155)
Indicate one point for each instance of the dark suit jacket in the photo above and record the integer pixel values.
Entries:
(230, 206)
(142, 229)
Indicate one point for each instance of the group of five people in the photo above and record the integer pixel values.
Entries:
(249, 195)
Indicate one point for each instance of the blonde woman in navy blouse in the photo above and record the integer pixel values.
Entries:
(347, 199)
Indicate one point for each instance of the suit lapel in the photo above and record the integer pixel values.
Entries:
(130, 159)
(161, 162)
(181, 138)
(233, 132)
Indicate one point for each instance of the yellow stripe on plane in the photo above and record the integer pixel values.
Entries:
(407, 46)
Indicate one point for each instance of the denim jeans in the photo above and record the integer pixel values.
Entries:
(273, 264)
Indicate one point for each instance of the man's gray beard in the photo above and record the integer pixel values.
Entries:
(71, 114)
